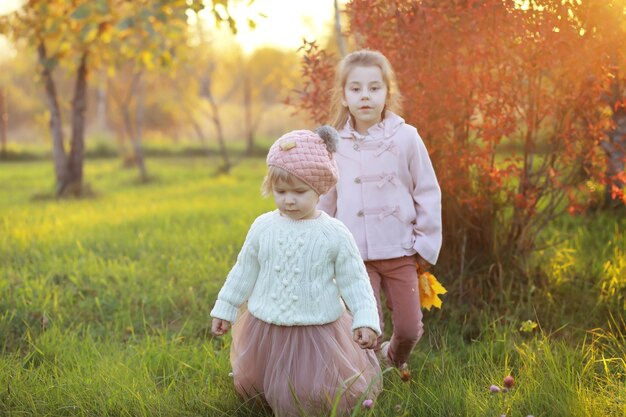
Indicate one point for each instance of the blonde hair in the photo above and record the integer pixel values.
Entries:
(274, 175)
(363, 58)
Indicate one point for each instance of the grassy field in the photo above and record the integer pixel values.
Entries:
(104, 306)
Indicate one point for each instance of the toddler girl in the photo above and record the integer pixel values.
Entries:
(292, 347)
(387, 193)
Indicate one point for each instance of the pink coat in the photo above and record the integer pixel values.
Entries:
(387, 194)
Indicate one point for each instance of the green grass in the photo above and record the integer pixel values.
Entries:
(104, 306)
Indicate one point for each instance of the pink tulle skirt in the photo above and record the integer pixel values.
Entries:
(300, 370)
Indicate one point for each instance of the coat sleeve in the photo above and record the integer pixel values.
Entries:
(427, 199)
(240, 280)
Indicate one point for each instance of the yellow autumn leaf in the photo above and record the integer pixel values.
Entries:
(88, 33)
(106, 35)
(436, 285)
(146, 59)
(430, 289)
(64, 47)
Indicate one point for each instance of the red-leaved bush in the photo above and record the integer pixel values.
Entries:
(507, 97)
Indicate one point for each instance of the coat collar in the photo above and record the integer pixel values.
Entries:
(383, 130)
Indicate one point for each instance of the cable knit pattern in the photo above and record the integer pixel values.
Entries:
(296, 273)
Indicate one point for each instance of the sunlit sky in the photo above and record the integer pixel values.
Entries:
(285, 23)
(7, 6)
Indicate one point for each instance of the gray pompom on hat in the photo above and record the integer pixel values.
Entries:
(330, 136)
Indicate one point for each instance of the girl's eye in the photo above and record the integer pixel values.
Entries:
(375, 88)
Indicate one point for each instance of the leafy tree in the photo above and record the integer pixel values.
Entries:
(265, 75)
(23, 105)
(507, 96)
(204, 80)
(207, 92)
(84, 34)
(124, 97)
(147, 37)
(4, 121)
(212, 77)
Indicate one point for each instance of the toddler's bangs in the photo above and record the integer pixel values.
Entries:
(274, 175)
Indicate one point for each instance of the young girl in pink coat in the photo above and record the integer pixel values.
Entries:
(387, 194)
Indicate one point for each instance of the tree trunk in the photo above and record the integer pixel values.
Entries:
(74, 182)
(128, 128)
(199, 132)
(220, 135)
(132, 129)
(341, 43)
(217, 123)
(4, 122)
(137, 149)
(58, 148)
(101, 103)
(138, 137)
(247, 105)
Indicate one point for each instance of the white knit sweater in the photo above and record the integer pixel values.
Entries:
(296, 272)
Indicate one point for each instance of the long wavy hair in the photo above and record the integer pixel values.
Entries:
(339, 113)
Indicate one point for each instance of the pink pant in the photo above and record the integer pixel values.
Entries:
(398, 280)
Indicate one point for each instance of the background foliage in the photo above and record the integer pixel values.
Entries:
(511, 100)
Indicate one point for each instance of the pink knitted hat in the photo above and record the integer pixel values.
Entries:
(308, 156)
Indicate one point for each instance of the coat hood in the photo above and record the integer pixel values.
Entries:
(383, 130)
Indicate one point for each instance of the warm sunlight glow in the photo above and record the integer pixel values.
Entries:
(277, 23)
(6, 49)
(281, 23)
(8, 6)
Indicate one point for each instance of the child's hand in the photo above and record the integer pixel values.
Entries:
(365, 337)
(423, 263)
(219, 327)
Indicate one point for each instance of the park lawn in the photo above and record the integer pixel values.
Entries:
(104, 306)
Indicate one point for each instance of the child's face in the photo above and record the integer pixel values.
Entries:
(295, 199)
(365, 94)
